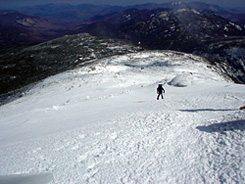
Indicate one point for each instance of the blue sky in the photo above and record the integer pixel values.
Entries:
(20, 3)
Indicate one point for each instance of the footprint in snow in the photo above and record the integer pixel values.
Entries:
(82, 158)
(82, 136)
(113, 136)
(75, 147)
(53, 108)
(36, 150)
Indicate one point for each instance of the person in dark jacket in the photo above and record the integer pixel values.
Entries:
(160, 90)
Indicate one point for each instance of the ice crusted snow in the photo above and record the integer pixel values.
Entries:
(41, 178)
(102, 124)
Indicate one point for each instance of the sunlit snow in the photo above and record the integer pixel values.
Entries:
(102, 124)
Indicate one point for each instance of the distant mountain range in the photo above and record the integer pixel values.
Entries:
(203, 29)
(163, 28)
(67, 13)
(181, 29)
(45, 22)
(20, 29)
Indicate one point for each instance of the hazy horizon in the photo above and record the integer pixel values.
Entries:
(11, 4)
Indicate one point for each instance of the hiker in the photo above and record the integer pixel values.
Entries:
(160, 89)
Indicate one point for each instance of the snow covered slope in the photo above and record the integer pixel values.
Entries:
(102, 124)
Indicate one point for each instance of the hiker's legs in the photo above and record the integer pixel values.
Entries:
(160, 94)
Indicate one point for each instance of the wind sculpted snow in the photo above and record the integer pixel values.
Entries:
(102, 124)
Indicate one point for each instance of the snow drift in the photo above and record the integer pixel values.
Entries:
(102, 124)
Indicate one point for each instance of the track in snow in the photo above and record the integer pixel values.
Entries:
(123, 134)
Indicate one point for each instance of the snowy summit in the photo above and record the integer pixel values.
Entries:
(102, 123)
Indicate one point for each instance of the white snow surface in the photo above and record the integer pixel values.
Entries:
(102, 124)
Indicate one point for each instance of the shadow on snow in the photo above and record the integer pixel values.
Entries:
(41, 178)
(203, 110)
(222, 127)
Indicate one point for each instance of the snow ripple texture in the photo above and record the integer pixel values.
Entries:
(103, 124)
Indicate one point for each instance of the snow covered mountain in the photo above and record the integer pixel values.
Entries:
(65, 15)
(20, 67)
(101, 123)
(203, 29)
(182, 29)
